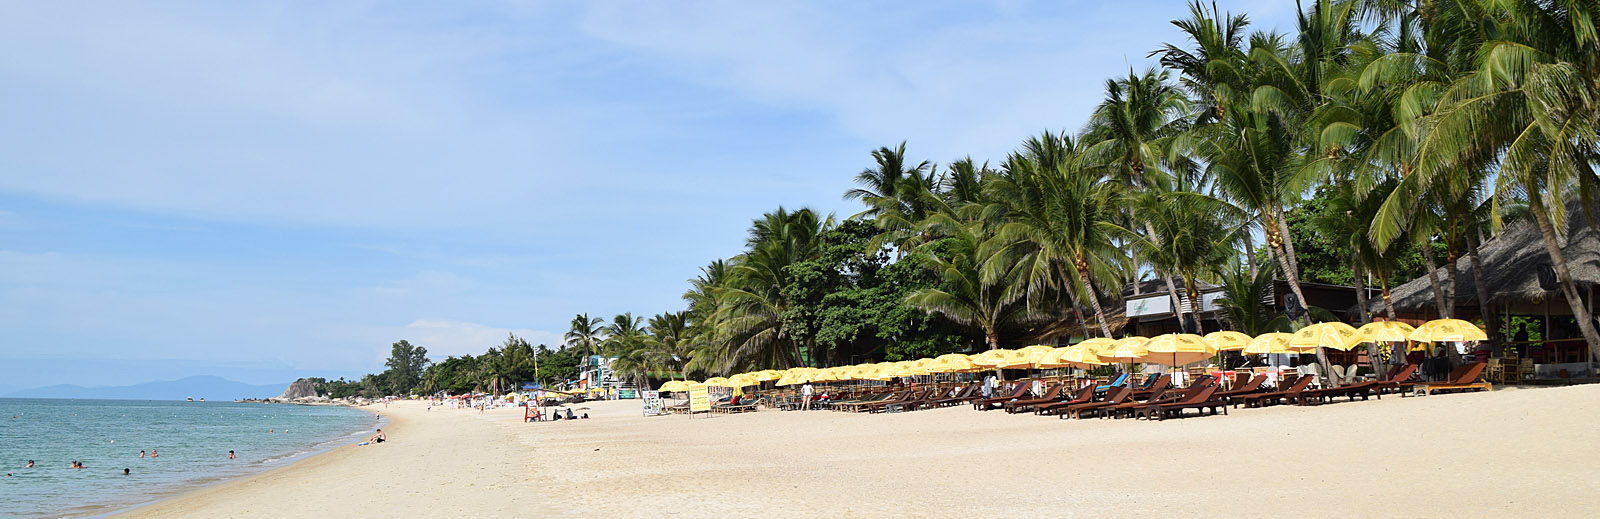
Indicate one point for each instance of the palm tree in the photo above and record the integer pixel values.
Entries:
(895, 194)
(1245, 304)
(672, 341)
(585, 334)
(1132, 131)
(1058, 224)
(752, 331)
(1198, 236)
(966, 297)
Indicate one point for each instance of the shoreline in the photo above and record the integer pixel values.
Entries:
(1386, 457)
(222, 482)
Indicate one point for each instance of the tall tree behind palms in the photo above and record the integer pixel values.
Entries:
(966, 298)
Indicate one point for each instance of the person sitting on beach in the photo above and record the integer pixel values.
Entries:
(570, 416)
(376, 438)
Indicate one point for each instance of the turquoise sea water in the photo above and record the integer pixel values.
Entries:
(192, 438)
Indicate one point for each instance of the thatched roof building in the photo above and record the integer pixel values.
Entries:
(1513, 263)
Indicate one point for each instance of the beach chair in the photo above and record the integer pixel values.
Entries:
(1016, 393)
(1400, 375)
(1120, 380)
(1084, 395)
(1263, 399)
(910, 399)
(857, 405)
(1116, 396)
(1247, 388)
(1200, 396)
(1468, 380)
(1158, 396)
(1051, 395)
(1411, 387)
(1160, 383)
(961, 396)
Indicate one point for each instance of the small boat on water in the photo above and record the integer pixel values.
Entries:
(191, 399)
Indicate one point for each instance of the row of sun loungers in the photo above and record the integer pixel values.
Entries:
(1155, 398)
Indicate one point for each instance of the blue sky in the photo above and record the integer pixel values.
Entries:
(267, 190)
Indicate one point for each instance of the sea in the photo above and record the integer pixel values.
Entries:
(192, 440)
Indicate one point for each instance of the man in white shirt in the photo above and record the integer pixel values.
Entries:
(805, 397)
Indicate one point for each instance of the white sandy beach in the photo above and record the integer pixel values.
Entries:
(1510, 453)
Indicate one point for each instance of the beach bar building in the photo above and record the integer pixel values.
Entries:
(1524, 303)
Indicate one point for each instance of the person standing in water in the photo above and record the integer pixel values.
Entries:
(153, 453)
(141, 454)
(30, 464)
(230, 455)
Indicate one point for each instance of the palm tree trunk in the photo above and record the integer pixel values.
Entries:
(1193, 289)
(1388, 299)
(1285, 263)
(1491, 320)
(1361, 291)
(1094, 299)
(992, 338)
(1452, 272)
(1433, 278)
(1288, 245)
(1172, 288)
(1568, 290)
(1250, 252)
(1072, 295)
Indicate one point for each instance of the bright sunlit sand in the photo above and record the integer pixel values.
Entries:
(1508, 453)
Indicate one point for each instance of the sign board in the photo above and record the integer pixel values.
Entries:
(1159, 304)
(652, 403)
(530, 385)
(699, 398)
(626, 393)
(1208, 301)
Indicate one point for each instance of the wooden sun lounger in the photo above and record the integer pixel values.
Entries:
(911, 399)
(1263, 399)
(1467, 380)
(1156, 386)
(1014, 406)
(1320, 396)
(1085, 395)
(1117, 396)
(1203, 399)
(964, 395)
(1400, 376)
(854, 405)
(1020, 391)
(1159, 396)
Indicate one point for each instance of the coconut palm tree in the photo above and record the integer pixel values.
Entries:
(1057, 225)
(752, 331)
(585, 334)
(966, 297)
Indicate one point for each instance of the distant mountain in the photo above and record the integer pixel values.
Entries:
(207, 387)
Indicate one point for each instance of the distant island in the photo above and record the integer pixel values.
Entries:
(216, 389)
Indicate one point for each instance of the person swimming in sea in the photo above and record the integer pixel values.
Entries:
(30, 464)
(153, 453)
(125, 472)
(141, 454)
(230, 455)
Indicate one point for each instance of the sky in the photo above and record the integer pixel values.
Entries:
(268, 190)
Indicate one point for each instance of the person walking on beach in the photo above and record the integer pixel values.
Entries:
(988, 386)
(805, 396)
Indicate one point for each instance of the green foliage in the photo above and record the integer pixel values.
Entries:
(405, 364)
(1323, 259)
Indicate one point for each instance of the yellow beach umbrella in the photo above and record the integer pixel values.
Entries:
(1228, 341)
(1097, 343)
(1125, 350)
(923, 365)
(1025, 358)
(1080, 355)
(717, 382)
(676, 385)
(1384, 331)
(768, 375)
(991, 358)
(1269, 343)
(1334, 335)
(1453, 330)
(743, 380)
(1178, 349)
(857, 372)
(952, 363)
